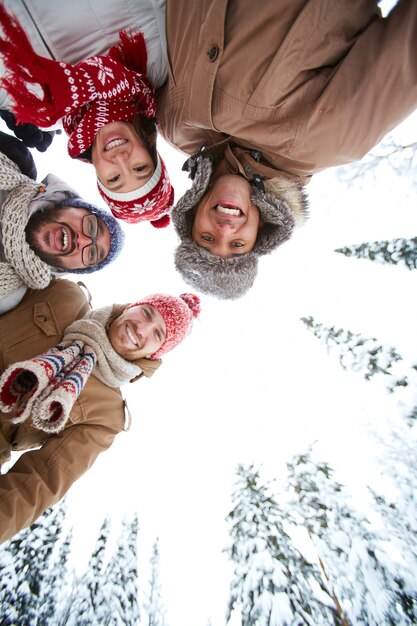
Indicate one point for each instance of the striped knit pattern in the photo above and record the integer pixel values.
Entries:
(47, 386)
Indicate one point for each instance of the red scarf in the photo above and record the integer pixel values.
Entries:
(87, 96)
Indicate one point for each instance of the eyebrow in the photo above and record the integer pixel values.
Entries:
(152, 314)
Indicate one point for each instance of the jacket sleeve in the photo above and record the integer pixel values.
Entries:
(12, 299)
(42, 477)
(371, 90)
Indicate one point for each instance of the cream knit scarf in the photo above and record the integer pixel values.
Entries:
(45, 388)
(22, 265)
(110, 368)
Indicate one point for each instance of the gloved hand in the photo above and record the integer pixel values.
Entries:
(32, 136)
(17, 152)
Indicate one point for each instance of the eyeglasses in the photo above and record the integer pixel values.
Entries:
(90, 229)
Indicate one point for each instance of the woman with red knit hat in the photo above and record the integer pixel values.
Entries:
(107, 107)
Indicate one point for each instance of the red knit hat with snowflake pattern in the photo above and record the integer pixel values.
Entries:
(87, 96)
(151, 203)
(178, 314)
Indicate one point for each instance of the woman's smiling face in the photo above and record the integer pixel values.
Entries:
(226, 221)
(121, 161)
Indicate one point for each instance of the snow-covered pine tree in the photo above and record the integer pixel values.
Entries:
(61, 580)
(354, 555)
(56, 576)
(25, 568)
(397, 507)
(398, 251)
(368, 357)
(86, 598)
(121, 580)
(273, 584)
(154, 605)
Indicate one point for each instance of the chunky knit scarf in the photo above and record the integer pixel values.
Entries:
(22, 265)
(45, 388)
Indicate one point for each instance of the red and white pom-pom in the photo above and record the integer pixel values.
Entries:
(163, 222)
(193, 303)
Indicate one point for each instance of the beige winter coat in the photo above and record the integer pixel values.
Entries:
(42, 477)
(308, 83)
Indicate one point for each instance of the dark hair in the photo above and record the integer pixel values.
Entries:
(145, 128)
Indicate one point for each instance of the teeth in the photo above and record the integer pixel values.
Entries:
(131, 336)
(115, 143)
(64, 240)
(227, 211)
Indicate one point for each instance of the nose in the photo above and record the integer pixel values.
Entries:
(144, 326)
(121, 153)
(225, 225)
(83, 240)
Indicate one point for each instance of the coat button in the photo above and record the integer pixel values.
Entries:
(213, 53)
(248, 169)
(41, 318)
(256, 154)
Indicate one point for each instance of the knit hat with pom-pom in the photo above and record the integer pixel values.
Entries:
(178, 315)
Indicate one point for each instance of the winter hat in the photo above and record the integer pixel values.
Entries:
(117, 236)
(152, 202)
(68, 91)
(225, 278)
(178, 314)
(88, 96)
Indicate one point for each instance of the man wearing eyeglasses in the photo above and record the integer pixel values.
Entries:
(46, 229)
(69, 238)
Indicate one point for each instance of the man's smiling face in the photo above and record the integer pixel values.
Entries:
(138, 332)
(57, 236)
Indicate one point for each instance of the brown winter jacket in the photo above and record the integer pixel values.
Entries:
(42, 477)
(308, 83)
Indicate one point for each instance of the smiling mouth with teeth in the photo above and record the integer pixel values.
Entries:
(114, 143)
(227, 210)
(64, 240)
(131, 336)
